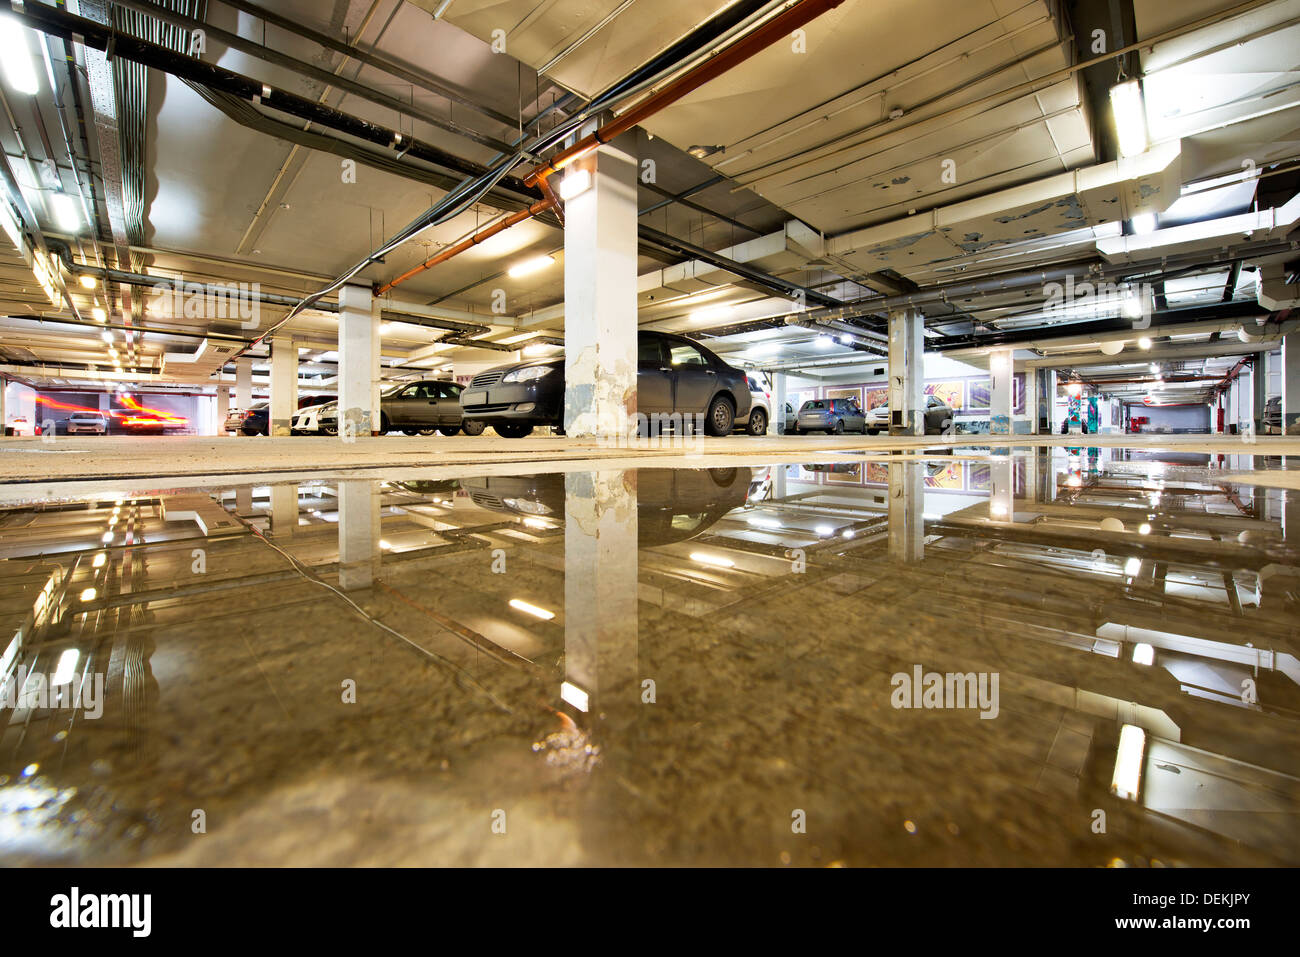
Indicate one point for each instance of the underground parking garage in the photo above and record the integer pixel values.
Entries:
(756, 434)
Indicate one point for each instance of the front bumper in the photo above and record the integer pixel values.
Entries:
(537, 402)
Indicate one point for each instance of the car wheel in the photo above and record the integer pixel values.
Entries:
(431, 431)
(410, 432)
(839, 427)
(723, 478)
(449, 431)
(721, 418)
(473, 427)
(757, 423)
(512, 430)
(330, 429)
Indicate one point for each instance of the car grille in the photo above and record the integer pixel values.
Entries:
(486, 378)
(494, 407)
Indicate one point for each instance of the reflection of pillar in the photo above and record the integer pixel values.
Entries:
(244, 500)
(359, 528)
(906, 373)
(600, 269)
(1002, 401)
(284, 510)
(358, 380)
(284, 386)
(906, 511)
(1002, 484)
(600, 591)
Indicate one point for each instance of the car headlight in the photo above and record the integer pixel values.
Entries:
(527, 374)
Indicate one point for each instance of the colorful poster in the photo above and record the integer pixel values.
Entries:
(875, 396)
(952, 392)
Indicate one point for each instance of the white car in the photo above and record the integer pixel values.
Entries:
(308, 421)
(760, 410)
(878, 419)
(87, 423)
(234, 419)
(20, 426)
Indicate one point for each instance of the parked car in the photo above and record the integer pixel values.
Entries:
(760, 409)
(416, 408)
(1273, 414)
(21, 425)
(675, 375)
(791, 420)
(939, 417)
(257, 420)
(87, 423)
(830, 415)
(235, 419)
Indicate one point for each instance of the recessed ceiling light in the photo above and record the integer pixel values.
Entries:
(529, 266)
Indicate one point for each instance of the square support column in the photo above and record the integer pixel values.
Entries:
(358, 363)
(1291, 384)
(1258, 390)
(244, 383)
(1001, 405)
(778, 402)
(600, 259)
(284, 386)
(906, 373)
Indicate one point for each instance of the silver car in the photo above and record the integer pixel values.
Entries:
(830, 415)
(87, 423)
(938, 417)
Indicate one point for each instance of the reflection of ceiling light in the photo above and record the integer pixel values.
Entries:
(385, 545)
(520, 605)
(575, 696)
(106, 336)
(539, 524)
(1132, 567)
(824, 342)
(1130, 116)
(539, 349)
(1143, 654)
(718, 561)
(66, 668)
(99, 314)
(100, 559)
(529, 266)
(998, 508)
(769, 523)
(88, 594)
(1144, 529)
(1128, 762)
(16, 54)
(575, 183)
(1144, 342)
(87, 282)
(825, 531)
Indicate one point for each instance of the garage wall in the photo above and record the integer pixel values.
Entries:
(1173, 418)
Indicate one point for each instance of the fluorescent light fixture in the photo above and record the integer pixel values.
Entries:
(87, 282)
(1132, 567)
(88, 594)
(575, 183)
(1144, 529)
(539, 524)
(529, 266)
(1143, 654)
(65, 212)
(66, 668)
(385, 544)
(100, 560)
(539, 349)
(106, 538)
(712, 312)
(1128, 762)
(16, 54)
(1143, 223)
(106, 336)
(575, 696)
(99, 314)
(1144, 342)
(824, 342)
(717, 561)
(528, 609)
(825, 531)
(1130, 115)
(442, 8)
(520, 337)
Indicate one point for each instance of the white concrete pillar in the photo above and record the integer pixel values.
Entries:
(1291, 384)
(244, 383)
(284, 385)
(1002, 390)
(906, 373)
(600, 591)
(600, 263)
(358, 363)
(359, 533)
(284, 507)
(778, 402)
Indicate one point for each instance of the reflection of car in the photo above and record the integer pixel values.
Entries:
(938, 417)
(830, 415)
(674, 376)
(673, 505)
(1273, 413)
(257, 420)
(416, 408)
(760, 410)
(87, 423)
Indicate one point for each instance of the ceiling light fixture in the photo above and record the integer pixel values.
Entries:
(529, 266)
(87, 282)
(1129, 111)
(16, 54)
(99, 314)
(65, 211)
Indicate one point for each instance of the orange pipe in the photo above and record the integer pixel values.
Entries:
(760, 39)
(541, 206)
